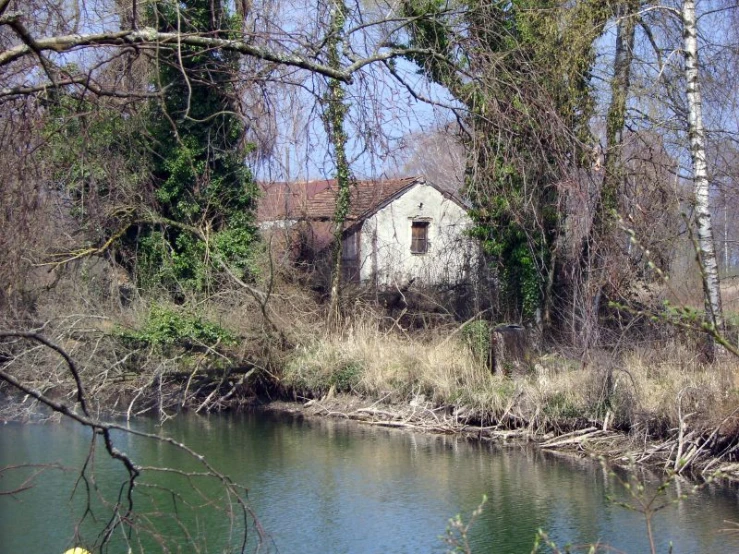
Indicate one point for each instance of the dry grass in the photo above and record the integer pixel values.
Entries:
(670, 385)
(367, 360)
(652, 389)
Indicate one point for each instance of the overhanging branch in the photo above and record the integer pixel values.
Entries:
(152, 37)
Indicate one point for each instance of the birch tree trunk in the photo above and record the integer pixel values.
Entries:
(706, 248)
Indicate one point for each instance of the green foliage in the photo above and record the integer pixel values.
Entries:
(429, 30)
(515, 191)
(169, 181)
(335, 112)
(198, 150)
(346, 377)
(522, 68)
(165, 328)
(521, 280)
(477, 335)
(97, 159)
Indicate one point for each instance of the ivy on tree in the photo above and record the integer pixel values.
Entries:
(198, 149)
(528, 104)
(169, 179)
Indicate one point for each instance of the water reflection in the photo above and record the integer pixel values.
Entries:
(330, 486)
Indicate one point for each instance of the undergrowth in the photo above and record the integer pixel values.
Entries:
(140, 349)
(652, 389)
(165, 327)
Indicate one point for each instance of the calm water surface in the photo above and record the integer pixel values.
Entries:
(333, 487)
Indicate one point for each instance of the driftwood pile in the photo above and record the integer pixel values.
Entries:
(698, 453)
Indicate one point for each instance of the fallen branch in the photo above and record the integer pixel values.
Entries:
(572, 434)
(574, 440)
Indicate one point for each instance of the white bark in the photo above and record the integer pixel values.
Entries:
(706, 247)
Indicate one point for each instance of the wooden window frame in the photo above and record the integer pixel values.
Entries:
(420, 237)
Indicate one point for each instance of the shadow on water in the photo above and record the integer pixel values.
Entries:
(330, 486)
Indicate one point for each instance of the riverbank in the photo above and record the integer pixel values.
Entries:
(651, 402)
(666, 414)
(655, 406)
(589, 439)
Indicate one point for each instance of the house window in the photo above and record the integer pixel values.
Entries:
(349, 247)
(419, 237)
(350, 258)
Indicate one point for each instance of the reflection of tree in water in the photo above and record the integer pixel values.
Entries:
(362, 488)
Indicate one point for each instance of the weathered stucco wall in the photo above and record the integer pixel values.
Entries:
(385, 241)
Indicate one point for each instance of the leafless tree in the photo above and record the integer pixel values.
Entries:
(122, 519)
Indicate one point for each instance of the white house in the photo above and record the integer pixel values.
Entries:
(397, 231)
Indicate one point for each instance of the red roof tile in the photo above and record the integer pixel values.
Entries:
(316, 200)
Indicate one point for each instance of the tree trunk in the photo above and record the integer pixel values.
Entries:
(616, 118)
(706, 248)
(336, 109)
(599, 244)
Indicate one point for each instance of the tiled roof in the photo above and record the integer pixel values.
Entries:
(316, 200)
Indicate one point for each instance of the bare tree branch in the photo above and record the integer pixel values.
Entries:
(105, 429)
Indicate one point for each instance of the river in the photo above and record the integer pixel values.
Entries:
(334, 487)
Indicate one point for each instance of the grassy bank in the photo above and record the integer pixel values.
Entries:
(663, 406)
(651, 390)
